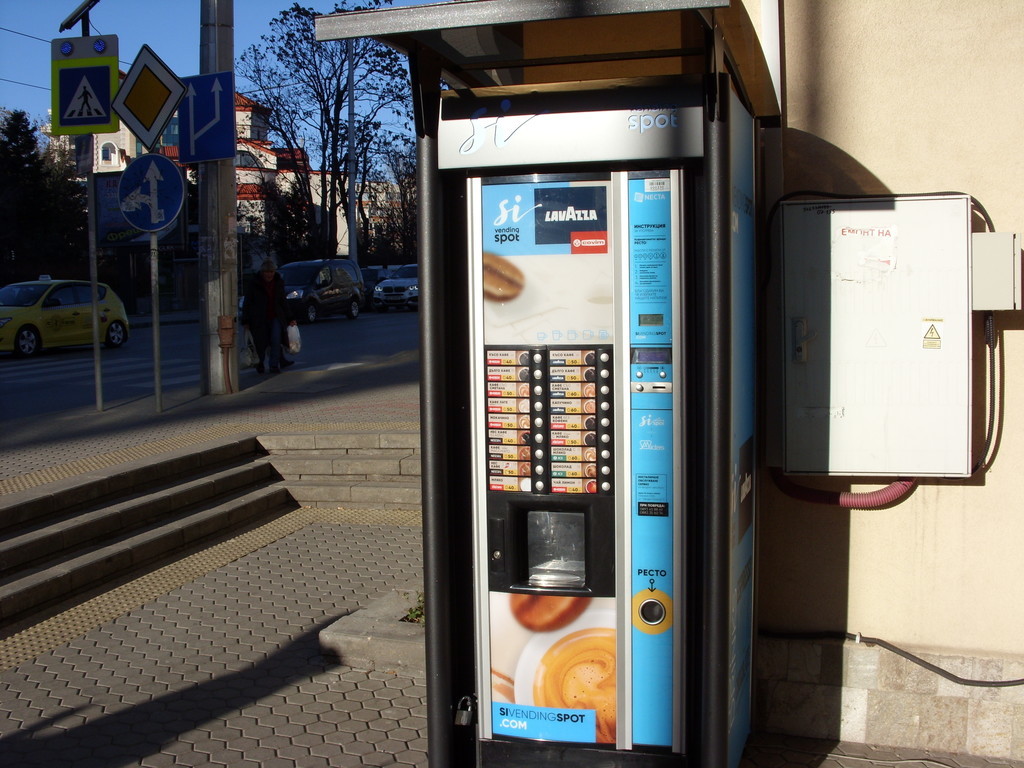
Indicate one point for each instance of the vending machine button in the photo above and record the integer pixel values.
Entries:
(606, 406)
(538, 470)
(606, 486)
(606, 470)
(606, 422)
(606, 438)
(538, 373)
(539, 422)
(538, 438)
(538, 406)
(537, 357)
(606, 454)
(539, 454)
(605, 389)
(652, 612)
(538, 390)
(639, 374)
(605, 357)
(539, 485)
(638, 387)
(605, 373)
(663, 374)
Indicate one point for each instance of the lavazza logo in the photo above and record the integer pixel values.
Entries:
(571, 214)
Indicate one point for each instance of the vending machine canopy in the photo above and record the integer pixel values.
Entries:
(486, 43)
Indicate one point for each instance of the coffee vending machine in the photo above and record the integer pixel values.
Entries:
(597, 583)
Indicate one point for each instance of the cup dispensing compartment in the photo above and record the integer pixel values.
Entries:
(550, 457)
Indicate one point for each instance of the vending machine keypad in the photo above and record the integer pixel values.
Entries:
(549, 420)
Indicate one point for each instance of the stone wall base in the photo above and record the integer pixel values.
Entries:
(853, 692)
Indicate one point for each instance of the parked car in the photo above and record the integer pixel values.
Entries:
(57, 313)
(401, 290)
(323, 287)
(372, 276)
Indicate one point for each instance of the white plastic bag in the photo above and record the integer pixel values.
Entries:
(250, 357)
(294, 340)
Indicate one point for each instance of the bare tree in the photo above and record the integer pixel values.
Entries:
(303, 82)
(390, 219)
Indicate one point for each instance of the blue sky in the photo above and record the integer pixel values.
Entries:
(169, 27)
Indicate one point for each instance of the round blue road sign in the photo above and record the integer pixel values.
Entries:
(151, 192)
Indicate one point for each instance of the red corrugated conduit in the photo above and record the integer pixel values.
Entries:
(883, 497)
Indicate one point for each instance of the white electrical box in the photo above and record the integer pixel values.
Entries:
(996, 264)
(877, 301)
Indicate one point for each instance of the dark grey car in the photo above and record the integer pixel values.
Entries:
(323, 287)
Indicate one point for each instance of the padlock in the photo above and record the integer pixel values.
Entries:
(464, 711)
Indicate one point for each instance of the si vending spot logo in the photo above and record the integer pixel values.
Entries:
(528, 722)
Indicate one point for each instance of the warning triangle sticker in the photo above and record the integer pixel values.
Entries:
(932, 332)
(84, 103)
(876, 339)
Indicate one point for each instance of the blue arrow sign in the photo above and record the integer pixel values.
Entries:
(151, 192)
(206, 118)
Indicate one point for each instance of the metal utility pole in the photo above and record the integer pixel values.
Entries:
(218, 235)
(81, 13)
(353, 220)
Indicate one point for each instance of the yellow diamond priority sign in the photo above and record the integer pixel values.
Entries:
(148, 97)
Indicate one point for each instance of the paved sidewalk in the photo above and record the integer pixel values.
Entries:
(213, 660)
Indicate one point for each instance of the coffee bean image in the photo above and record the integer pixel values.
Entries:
(503, 280)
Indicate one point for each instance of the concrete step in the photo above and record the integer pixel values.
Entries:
(34, 505)
(342, 442)
(61, 577)
(59, 534)
(351, 470)
(324, 464)
(358, 494)
(75, 534)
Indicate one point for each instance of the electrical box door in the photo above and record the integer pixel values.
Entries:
(877, 336)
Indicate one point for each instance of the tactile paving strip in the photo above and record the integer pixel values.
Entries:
(153, 448)
(82, 617)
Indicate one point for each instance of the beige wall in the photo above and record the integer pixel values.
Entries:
(908, 97)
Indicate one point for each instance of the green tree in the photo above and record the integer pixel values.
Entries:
(303, 82)
(43, 224)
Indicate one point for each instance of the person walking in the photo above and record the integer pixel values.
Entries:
(265, 314)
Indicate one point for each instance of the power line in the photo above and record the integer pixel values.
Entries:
(27, 85)
(31, 37)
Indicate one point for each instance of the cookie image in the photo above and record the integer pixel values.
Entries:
(545, 613)
(503, 280)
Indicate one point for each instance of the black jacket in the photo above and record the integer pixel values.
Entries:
(254, 308)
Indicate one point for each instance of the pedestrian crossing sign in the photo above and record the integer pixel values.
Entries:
(84, 80)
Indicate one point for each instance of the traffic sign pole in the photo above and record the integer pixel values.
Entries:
(154, 291)
(151, 194)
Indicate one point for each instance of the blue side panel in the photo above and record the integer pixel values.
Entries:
(651, 451)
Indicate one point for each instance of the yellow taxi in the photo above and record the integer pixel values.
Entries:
(57, 313)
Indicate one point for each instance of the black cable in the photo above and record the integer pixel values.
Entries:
(990, 342)
(858, 638)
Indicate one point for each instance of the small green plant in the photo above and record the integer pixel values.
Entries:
(416, 614)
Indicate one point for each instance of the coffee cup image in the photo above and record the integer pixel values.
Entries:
(573, 668)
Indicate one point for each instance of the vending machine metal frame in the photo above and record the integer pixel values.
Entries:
(717, 313)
